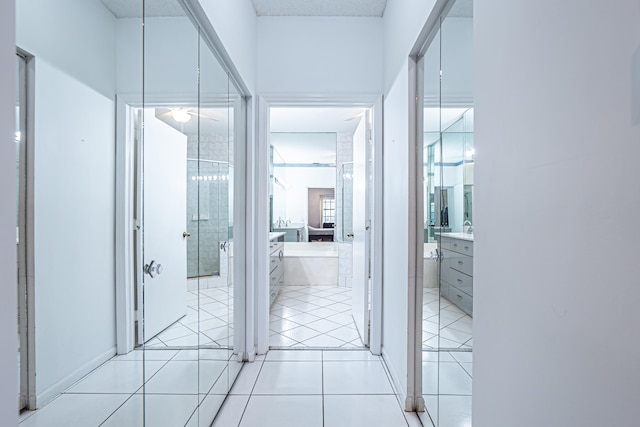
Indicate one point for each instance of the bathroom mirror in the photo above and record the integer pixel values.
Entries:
(303, 182)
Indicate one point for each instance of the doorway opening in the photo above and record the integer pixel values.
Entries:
(320, 212)
(182, 180)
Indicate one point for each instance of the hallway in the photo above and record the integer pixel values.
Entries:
(314, 388)
(285, 388)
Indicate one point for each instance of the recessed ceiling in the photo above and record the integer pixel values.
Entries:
(319, 7)
(133, 9)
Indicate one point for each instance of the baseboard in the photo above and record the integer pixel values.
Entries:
(395, 380)
(53, 391)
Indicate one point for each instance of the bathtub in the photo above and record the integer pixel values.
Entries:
(311, 263)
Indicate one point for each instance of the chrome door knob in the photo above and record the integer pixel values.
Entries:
(350, 235)
(153, 269)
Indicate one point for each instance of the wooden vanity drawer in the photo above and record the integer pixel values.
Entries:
(276, 274)
(460, 280)
(457, 261)
(276, 258)
(461, 246)
(275, 247)
(460, 299)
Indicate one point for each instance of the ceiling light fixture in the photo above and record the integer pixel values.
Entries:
(180, 115)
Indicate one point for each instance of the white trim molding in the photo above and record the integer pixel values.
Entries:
(260, 206)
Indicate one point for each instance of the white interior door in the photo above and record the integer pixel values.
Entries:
(164, 222)
(361, 227)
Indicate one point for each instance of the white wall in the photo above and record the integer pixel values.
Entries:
(403, 21)
(556, 304)
(8, 287)
(313, 55)
(74, 46)
(235, 25)
(396, 298)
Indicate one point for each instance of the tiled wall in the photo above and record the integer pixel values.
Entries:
(344, 154)
(207, 202)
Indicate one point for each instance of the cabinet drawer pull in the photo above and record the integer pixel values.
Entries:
(459, 296)
(459, 280)
(460, 262)
(455, 245)
(466, 248)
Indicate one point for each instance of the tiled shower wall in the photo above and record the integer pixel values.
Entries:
(344, 154)
(207, 202)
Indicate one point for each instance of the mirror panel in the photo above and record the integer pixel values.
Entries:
(170, 300)
(448, 154)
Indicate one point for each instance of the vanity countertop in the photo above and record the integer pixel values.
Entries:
(290, 226)
(275, 235)
(461, 236)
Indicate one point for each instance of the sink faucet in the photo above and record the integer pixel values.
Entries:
(280, 222)
(466, 226)
(287, 223)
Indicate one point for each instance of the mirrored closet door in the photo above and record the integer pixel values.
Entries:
(446, 326)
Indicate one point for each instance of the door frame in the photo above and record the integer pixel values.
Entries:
(128, 268)
(414, 398)
(260, 228)
(26, 257)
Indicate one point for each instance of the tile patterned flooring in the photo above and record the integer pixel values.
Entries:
(177, 383)
(454, 324)
(208, 321)
(285, 388)
(314, 388)
(313, 317)
(446, 375)
(447, 386)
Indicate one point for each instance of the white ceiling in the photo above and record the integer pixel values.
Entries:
(304, 148)
(133, 9)
(319, 7)
(311, 119)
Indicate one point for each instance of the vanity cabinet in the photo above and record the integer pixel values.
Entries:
(456, 282)
(276, 266)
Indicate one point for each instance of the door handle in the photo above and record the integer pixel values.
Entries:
(349, 234)
(153, 269)
(186, 234)
(223, 246)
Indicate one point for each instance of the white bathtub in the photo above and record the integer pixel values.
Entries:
(311, 263)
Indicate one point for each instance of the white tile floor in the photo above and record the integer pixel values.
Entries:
(446, 384)
(207, 323)
(454, 324)
(323, 388)
(313, 316)
(446, 375)
(178, 382)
